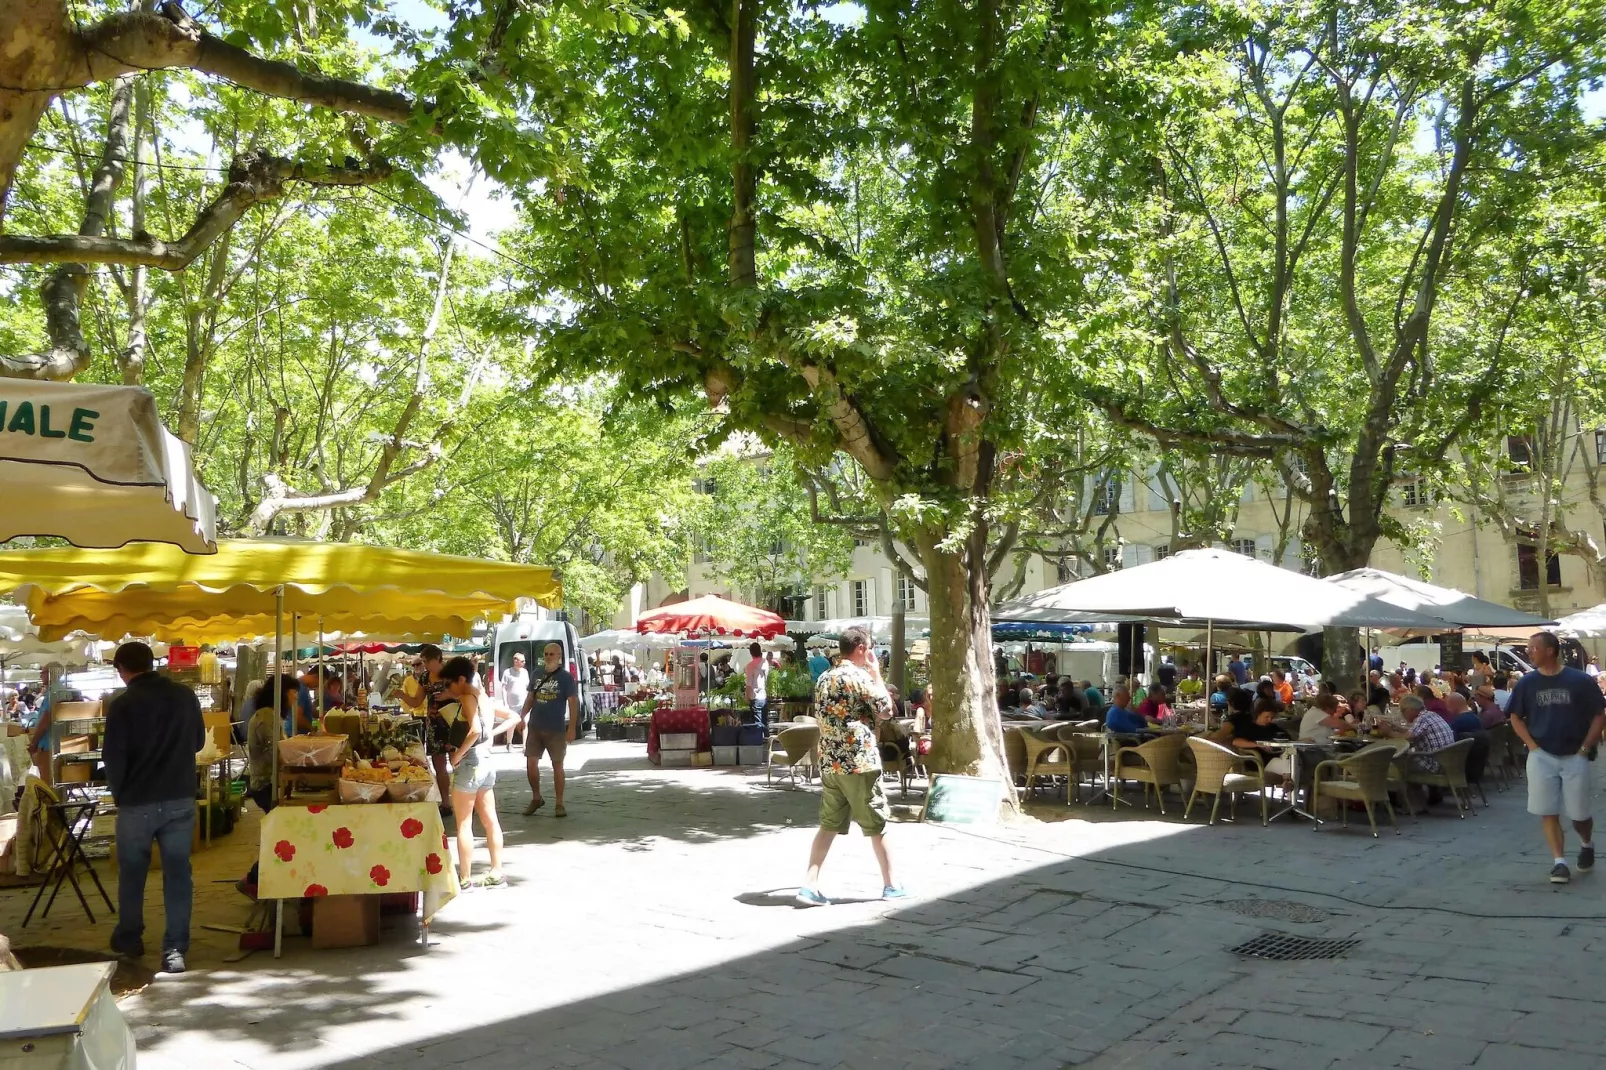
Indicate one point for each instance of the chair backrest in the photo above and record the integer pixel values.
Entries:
(1014, 750)
(1453, 760)
(1369, 767)
(1477, 756)
(799, 742)
(1082, 744)
(1162, 754)
(1212, 762)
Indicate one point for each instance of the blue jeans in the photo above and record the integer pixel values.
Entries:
(172, 825)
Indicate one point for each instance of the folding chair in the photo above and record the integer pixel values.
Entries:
(65, 825)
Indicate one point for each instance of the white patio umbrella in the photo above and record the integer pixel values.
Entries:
(623, 639)
(1459, 608)
(94, 465)
(14, 623)
(1213, 587)
(1585, 624)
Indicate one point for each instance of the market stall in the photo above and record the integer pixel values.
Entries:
(256, 587)
(682, 734)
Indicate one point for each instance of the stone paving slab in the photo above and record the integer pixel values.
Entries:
(653, 928)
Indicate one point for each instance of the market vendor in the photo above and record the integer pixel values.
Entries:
(426, 695)
(262, 735)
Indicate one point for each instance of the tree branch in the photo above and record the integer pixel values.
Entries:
(253, 179)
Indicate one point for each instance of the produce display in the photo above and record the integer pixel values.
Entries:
(402, 776)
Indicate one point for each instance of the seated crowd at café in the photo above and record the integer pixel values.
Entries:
(1431, 710)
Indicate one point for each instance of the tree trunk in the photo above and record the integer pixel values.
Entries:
(966, 734)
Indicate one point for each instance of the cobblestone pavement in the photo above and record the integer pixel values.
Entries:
(653, 929)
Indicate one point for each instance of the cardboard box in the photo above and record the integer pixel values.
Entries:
(345, 921)
(75, 772)
(75, 745)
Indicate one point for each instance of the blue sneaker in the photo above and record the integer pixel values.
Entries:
(810, 898)
(893, 891)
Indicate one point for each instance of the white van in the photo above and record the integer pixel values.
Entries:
(1424, 656)
(529, 636)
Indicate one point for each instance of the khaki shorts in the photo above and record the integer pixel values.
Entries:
(855, 796)
(553, 744)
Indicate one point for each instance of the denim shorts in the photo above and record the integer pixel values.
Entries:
(473, 775)
(1559, 785)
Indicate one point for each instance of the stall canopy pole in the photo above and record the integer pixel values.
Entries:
(321, 688)
(278, 720)
(1210, 667)
(295, 621)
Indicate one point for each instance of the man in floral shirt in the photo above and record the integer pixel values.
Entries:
(849, 700)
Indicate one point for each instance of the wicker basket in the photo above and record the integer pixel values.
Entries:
(358, 791)
(299, 751)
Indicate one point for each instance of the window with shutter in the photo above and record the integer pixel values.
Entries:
(1112, 557)
(1242, 546)
(861, 598)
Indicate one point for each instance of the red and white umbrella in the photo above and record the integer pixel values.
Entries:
(712, 615)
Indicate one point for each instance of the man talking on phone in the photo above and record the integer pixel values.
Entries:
(849, 701)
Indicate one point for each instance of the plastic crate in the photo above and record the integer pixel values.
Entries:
(678, 741)
(752, 755)
(726, 755)
(750, 735)
(675, 759)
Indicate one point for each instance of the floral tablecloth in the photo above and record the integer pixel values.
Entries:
(361, 849)
(682, 719)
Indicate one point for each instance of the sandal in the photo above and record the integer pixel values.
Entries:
(493, 880)
(560, 811)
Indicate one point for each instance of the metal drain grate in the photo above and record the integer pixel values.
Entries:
(1281, 909)
(1280, 947)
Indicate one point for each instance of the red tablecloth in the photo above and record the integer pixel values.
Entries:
(685, 719)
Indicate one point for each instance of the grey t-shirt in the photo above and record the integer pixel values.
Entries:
(1557, 709)
(552, 691)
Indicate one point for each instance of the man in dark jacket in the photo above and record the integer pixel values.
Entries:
(153, 730)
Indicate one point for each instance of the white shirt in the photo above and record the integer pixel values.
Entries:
(1311, 727)
(515, 687)
(1592, 669)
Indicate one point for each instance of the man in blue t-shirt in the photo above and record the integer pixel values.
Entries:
(550, 717)
(1240, 671)
(1121, 718)
(1559, 713)
(818, 665)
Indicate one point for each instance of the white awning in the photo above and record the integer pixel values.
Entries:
(1217, 586)
(94, 465)
(1459, 608)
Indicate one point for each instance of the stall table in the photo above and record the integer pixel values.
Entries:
(684, 719)
(357, 849)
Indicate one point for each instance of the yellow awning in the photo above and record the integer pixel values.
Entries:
(150, 588)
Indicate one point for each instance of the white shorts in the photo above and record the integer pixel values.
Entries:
(1559, 786)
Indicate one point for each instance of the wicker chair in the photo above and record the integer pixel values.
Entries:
(1503, 754)
(1363, 777)
(1084, 756)
(1043, 748)
(1222, 771)
(1452, 773)
(797, 749)
(1014, 753)
(1151, 764)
